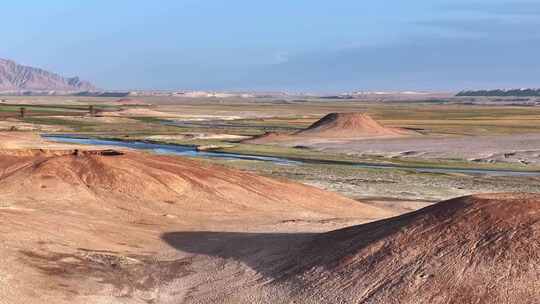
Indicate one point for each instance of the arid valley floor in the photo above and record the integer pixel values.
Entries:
(239, 200)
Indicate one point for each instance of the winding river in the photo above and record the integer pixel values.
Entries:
(190, 151)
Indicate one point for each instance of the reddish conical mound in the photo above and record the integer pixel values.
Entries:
(349, 125)
(336, 126)
(477, 249)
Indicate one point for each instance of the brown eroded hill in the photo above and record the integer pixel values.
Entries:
(144, 184)
(337, 126)
(477, 249)
(86, 226)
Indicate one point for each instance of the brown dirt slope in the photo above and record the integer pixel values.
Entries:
(477, 249)
(162, 184)
(85, 226)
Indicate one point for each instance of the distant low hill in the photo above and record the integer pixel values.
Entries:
(349, 125)
(502, 93)
(16, 77)
(336, 125)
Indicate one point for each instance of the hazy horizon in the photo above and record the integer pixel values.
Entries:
(305, 46)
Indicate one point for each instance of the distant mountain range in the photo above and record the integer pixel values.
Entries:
(16, 77)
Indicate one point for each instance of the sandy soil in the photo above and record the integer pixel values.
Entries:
(145, 112)
(88, 227)
(29, 140)
(16, 125)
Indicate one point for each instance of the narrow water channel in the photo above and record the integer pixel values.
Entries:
(191, 151)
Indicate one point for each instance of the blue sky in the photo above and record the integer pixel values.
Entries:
(294, 45)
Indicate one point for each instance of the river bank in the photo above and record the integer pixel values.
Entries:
(192, 151)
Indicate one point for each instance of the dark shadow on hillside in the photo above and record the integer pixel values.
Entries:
(281, 254)
(270, 254)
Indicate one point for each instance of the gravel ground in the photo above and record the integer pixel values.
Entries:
(402, 190)
(524, 148)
